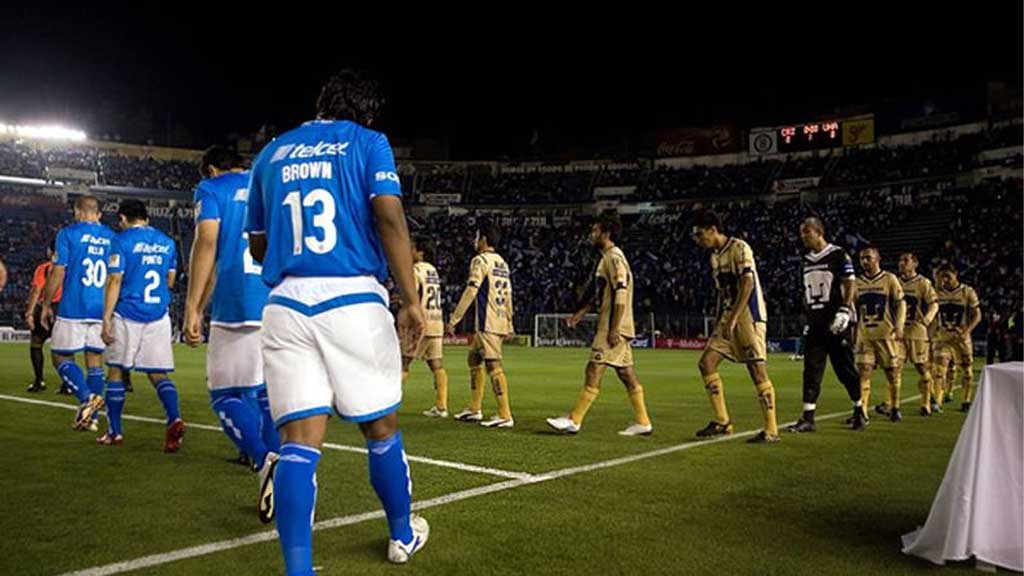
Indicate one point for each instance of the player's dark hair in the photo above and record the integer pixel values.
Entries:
(426, 245)
(815, 223)
(133, 210)
(87, 203)
(946, 267)
(489, 230)
(221, 158)
(912, 256)
(871, 248)
(350, 95)
(706, 219)
(610, 224)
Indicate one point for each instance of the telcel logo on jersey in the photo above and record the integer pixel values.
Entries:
(99, 240)
(147, 248)
(296, 151)
(152, 253)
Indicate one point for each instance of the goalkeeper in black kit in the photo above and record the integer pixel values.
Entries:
(828, 276)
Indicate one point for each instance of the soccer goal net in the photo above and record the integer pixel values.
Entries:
(551, 330)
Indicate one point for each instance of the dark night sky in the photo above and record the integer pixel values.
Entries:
(485, 80)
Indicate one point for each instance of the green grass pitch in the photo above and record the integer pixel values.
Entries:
(834, 502)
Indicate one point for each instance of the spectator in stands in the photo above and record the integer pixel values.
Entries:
(1015, 332)
(995, 338)
(551, 268)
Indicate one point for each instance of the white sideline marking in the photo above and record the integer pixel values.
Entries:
(214, 547)
(330, 445)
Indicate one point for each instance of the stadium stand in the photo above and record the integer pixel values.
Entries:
(925, 197)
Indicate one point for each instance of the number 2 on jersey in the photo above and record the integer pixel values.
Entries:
(154, 282)
(433, 298)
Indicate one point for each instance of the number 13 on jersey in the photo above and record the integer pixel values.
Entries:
(323, 233)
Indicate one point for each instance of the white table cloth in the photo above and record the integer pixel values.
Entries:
(979, 509)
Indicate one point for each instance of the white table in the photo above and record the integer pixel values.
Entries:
(979, 509)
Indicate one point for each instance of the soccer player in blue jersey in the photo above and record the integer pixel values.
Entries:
(80, 269)
(222, 269)
(136, 327)
(326, 220)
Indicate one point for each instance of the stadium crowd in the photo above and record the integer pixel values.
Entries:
(20, 159)
(552, 262)
(30, 221)
(547, 250)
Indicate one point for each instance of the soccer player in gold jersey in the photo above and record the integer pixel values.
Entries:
(739, 335)
(881, 315)
(611, 346)
(489, 291)
(431, 349)
(959, 315)
(922, 307)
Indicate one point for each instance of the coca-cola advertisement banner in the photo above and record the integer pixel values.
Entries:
(698, 141)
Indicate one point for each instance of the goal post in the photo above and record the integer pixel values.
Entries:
(550, 330)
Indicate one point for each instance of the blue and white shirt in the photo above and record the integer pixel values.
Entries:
(239, 293)
(82, 249)
(145, 256)
(310, 194)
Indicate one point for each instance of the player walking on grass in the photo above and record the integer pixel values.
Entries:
(489, 291)
(613, 298)
(740, 333)
(881, 315)
(80, 271)
(325, 210)
(222, 270)
(431, 350)
(136, 325)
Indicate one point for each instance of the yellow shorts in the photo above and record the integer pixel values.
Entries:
(746, 345)
(486, 345)
(915, 351)
(961, 352)
(431, 348)
(620, 356)
(880, 353)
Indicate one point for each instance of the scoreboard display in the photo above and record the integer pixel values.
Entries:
(812, 136)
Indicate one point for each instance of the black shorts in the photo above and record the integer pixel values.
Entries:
(39, 332)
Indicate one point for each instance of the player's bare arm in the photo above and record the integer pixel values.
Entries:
(614, 338)
(901, 318)
(110, 295)
(208, 291)
(394, 236)
(56, 279)
(510, 312)
(842, 319)
(468, 295)
(742, 296)
(576, 318)
(257, 246)
(849, 287)
(974, 319)
(200, 274)
(33, 299)
(931, 313)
